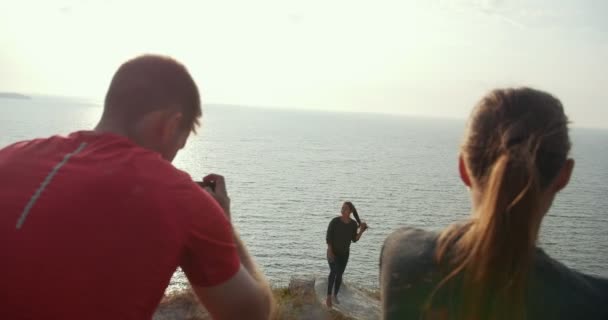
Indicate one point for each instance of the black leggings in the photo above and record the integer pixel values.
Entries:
(336, 267)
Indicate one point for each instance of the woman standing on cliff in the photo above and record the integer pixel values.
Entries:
(342, 230)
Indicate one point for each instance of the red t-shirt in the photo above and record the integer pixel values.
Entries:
(93, 226)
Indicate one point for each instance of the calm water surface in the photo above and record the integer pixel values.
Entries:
(289, 171)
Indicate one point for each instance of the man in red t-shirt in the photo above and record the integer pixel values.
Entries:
(93, 225)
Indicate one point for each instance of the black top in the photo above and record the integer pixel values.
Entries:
(409, 274)
(340, 234)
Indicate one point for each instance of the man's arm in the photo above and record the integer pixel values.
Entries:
(240, 295)
(247, 261)
(245, 293)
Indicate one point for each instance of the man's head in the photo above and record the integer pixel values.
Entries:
(154, 101)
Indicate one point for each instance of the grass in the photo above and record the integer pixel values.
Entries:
(297, 306)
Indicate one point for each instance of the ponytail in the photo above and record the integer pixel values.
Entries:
(516, 144)
(491, 255)
(354, 212)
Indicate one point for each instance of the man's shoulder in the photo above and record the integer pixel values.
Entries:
(123, 159)
(166, 183)
(19, 147)
(153, 167)
(111, 159)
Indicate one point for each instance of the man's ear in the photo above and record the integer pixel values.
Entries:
(562, 179)
(464, 174)
(171, 126)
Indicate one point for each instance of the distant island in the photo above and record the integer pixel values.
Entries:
(13, 95)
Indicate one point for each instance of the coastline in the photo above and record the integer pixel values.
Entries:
(14, 95)
(298, 301)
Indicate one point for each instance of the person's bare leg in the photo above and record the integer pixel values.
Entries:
(328, 302)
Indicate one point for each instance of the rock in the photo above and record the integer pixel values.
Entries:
(181, 305)
(302, 286)
(312, 291)
(303, 299)
(354, 303)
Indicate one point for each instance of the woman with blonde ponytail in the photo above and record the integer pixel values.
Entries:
(514, 160)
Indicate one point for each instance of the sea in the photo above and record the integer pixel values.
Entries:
(289, 171)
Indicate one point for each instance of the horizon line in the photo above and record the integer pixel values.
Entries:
(99, 102)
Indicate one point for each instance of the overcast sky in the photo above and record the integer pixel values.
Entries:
(433, 57)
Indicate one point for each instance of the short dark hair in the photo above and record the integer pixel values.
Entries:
(149, 83)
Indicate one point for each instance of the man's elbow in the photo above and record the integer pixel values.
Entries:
(263, 307)
(267, 303)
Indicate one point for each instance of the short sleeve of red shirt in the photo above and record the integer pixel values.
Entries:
(210, 257)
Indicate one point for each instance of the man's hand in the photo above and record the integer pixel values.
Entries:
(220, 194)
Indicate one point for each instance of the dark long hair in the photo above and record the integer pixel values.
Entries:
(353, 210)
(516, 144)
